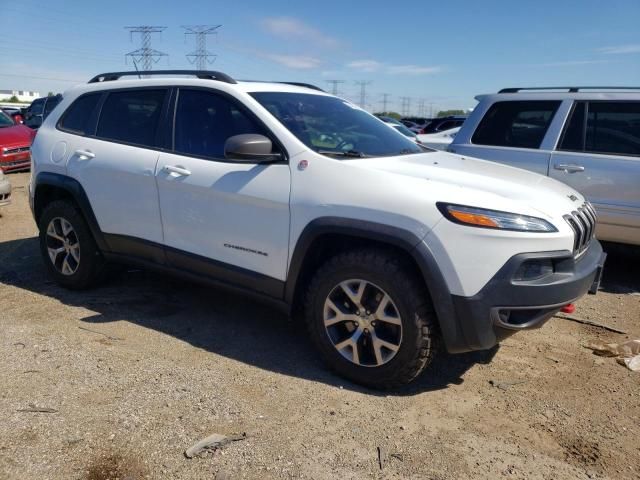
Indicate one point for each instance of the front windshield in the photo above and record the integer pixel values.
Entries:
(5, 120)
(332, 126)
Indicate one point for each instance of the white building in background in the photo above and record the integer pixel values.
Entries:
(22, 95)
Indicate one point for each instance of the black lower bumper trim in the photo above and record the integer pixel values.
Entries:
(505, 305)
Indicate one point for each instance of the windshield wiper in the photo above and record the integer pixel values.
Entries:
(348, 153)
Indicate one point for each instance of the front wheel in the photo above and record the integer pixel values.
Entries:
(371, 318)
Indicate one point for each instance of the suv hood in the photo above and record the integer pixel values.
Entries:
(536, 191)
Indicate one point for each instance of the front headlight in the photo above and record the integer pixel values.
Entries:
(484, 218)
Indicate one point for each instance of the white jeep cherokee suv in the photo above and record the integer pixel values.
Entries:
(388, 250)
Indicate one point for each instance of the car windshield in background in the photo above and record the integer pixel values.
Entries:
(333, 126)
(5, 120)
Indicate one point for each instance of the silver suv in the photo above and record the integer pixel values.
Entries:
(586, 137)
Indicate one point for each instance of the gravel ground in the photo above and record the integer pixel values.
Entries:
(142, 367)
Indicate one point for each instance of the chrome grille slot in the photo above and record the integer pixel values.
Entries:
(583, 223)
(13, 151)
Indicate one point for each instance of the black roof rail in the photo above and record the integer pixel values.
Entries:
(569, 89)
(301, 84)
(204, 74)
(297, 84)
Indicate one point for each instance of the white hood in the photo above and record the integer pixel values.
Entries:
(537, 191)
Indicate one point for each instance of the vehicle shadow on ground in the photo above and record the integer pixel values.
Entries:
(621, 270)
(213, 320)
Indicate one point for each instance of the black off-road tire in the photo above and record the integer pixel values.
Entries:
(420, 337)
(91, 262)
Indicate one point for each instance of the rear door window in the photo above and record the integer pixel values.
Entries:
(614, 128)
(76, 118)
(521, 124)
(131, 116)
(573, 136)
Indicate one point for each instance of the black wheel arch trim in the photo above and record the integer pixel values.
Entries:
(73, 188)
(395, 236)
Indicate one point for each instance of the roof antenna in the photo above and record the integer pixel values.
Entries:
(136, 65)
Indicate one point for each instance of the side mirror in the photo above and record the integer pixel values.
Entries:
(250, 148)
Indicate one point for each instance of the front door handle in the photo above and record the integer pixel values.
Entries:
(569, 167)
(85, 154)
(177, 169)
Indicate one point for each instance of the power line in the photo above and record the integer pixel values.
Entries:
(334, 85)
(363, 92)
(201, 55)
(385, 101)
(145, 55)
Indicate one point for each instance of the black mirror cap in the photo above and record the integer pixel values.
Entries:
(250, 148)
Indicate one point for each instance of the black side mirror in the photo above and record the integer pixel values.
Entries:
(250, 148)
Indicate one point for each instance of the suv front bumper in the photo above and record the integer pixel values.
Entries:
(506, 305)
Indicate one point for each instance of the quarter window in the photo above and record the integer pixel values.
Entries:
(76, 118)
(521, 124)
(131, 116)
(613, 127)
(205, 120)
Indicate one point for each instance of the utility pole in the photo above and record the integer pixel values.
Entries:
(363, 93)
(406, 106)
(334, 86)
(430, 109)
(145, 55)
(385, 101)
(200, 56)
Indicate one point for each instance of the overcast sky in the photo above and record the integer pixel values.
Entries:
(442, 52)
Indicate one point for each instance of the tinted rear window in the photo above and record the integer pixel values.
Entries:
(521, 124)
(573, 136)
(131, 116)
(76, 118)
(613, 127)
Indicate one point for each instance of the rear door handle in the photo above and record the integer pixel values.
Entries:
(569, 168)
(85, 154)
(177, 169)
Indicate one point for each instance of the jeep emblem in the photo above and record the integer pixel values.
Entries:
(572, 197)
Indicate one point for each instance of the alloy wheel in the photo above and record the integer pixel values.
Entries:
(363, 323)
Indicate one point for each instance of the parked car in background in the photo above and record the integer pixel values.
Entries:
(402, 129)
(5, 190)
(588, 138)
(442, 124)
(15, 143)
(14, 112)
(439, 140)
(415, 124)
(39, 109)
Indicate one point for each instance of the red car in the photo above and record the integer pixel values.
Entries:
(15, 144)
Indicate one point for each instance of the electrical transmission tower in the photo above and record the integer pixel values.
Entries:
(334, 86)
(385, 101)
(406, 106)
(421, 109)
(201, 56)
(145, 55)
(363, 93)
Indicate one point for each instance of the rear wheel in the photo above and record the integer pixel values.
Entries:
(68, 249)
(371, 318)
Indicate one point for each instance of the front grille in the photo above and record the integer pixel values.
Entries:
(4, 196)
(13, 151)
(583, 224)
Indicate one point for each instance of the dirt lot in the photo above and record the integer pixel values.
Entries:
(141, 368)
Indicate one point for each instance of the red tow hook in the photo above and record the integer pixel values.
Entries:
(568, 308)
